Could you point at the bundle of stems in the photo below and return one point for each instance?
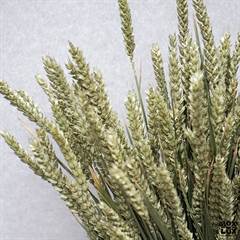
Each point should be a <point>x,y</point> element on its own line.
<point>174,171</point>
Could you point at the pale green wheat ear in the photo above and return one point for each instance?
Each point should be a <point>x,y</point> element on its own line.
<point>127,29</point>
<point>174,174</point>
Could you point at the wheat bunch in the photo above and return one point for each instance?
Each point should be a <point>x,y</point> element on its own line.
<point>175,172</point>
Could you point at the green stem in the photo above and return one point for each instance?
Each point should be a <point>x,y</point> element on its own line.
<point>137,82</point>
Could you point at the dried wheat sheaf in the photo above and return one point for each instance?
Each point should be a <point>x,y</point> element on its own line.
<point>174,171</point>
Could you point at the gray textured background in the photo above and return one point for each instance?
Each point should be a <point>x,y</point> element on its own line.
<point>30,29</point>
